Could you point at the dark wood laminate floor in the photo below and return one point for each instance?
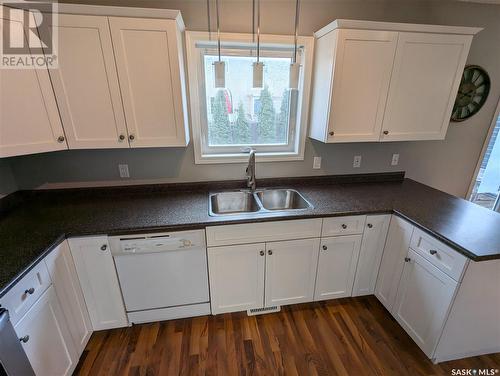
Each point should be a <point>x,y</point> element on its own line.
<point>354,336</point>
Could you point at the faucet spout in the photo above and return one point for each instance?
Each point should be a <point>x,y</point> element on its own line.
<point>250,171</point>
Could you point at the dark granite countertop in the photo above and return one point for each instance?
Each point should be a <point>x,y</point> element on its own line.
<point>42,219</point>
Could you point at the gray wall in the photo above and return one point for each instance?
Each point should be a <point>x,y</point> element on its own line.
<point>447,165</point>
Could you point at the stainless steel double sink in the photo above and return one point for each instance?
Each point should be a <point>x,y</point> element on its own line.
<point>260,201</point>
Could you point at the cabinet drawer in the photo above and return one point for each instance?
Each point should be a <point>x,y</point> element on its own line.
<point>26,292</point>
<point>439,254</point>
<point>350,225</point>
<point>263,232</point>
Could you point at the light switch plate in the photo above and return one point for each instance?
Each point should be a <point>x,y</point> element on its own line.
<point>123,168</point>
<point>357,161</point>
<point>317,163</point>
<point>395,160</point>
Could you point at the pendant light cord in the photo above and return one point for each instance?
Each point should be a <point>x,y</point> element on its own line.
<point>297,7</point>
<point>258,30</point>
<point>208,21</point>
<point>218,26</point>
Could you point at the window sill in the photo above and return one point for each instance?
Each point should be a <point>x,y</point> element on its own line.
<point>243,158</point>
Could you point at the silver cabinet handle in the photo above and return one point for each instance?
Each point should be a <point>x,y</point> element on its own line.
<point>121,137</point>
<point>324,248</point>
<point>24,339</point>
<point>262,253</point>
<point>270,252</point>
<point>104,247</point>
<point>407,259</point>
<point>29,291</point>
<point>60,139</point>
<point>344,226</point>
<point>369,225</point>
<point>131,137</point>
<point>433,252</point>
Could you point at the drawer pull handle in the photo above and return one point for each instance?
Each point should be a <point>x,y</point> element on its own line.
<point>104,247</point>
<point>325,248</point>
<point>407,259</point>
<point>24,339</point>
<point>344,226</point>
<point>29,291</point>
<point>270,252</point>
<point>369,225</point>
<point>262,253</point>
<point>433,252</point>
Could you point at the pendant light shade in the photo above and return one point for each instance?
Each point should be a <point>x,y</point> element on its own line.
<point>219,66</point>
<point>258,67</point>
<point>294,66</point>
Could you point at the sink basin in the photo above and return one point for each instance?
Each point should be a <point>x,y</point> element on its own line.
<point>233,203</point>
<point>282,199</point>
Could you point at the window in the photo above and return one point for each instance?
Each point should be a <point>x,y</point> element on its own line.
<point>485,187</point>
<point>226,122</point>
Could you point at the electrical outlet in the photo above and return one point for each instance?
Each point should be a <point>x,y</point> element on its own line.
<point>317,163</point>
<point>357,161</point>
<point>123,168</point>
<point>395,160</point>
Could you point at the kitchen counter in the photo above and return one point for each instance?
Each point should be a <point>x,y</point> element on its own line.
<point>40,220</point>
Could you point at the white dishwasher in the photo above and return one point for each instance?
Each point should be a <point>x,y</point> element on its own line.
<point>162,276</point>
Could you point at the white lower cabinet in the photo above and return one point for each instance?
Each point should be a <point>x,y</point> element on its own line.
<point>46,339</point>
<point>370,255</point>
<point>67,287</point>
<point>391,266</point>
<point>97,274</point>
<point>236,275</point>
<point>424,297</point>
<point>290,271</point>
<point>337,266</point>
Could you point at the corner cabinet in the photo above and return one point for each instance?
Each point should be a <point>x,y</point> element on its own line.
<point>381,81</point>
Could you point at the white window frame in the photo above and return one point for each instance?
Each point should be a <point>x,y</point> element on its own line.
<point>265,153</point>
<point>483,151</point>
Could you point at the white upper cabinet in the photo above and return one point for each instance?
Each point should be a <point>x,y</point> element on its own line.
<point>424,84</point>
<point>86,84</point>
<point>29,119</point>
<point>149,59</point>
<point>381,81</point>
<point>359,81</point>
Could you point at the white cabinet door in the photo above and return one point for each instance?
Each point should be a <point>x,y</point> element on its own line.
<point>424,297</point>
<point>425,79</point>
<point>291,271</point>
<point>149,61</point>
<point>29,119</point>
<point>370,255</point>
<point>67,286</point>
<point>338,257</point>
<point>391,266</point>
<point>86,84</point>
<point>97,274</point>
<point>363,64</point>
<point>46,339</point>
<point>236,275</point>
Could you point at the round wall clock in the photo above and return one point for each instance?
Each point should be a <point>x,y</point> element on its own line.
<point>472,93</point>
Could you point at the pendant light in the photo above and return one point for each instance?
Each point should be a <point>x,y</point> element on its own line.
<point>258,67</point>
<point>294,66</point>
<point>219,66</point>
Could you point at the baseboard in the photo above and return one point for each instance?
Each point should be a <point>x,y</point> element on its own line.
<point>447,358</point>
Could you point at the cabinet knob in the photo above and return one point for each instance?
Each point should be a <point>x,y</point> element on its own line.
<point>24,339</point>
<point>369,225</point>
<point>331,133</point>
<point>60,139</point>
<point>324,248</point>
<point>121,137</point>
<point>386,132</point>
<point>433,252</point>
<point>104,247</point>
<point>407,259</point>
<point>262,253</point>
<point>344,226</point>
<point>29,291</point>
<point>270,252</point>
<point>131,137</point>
